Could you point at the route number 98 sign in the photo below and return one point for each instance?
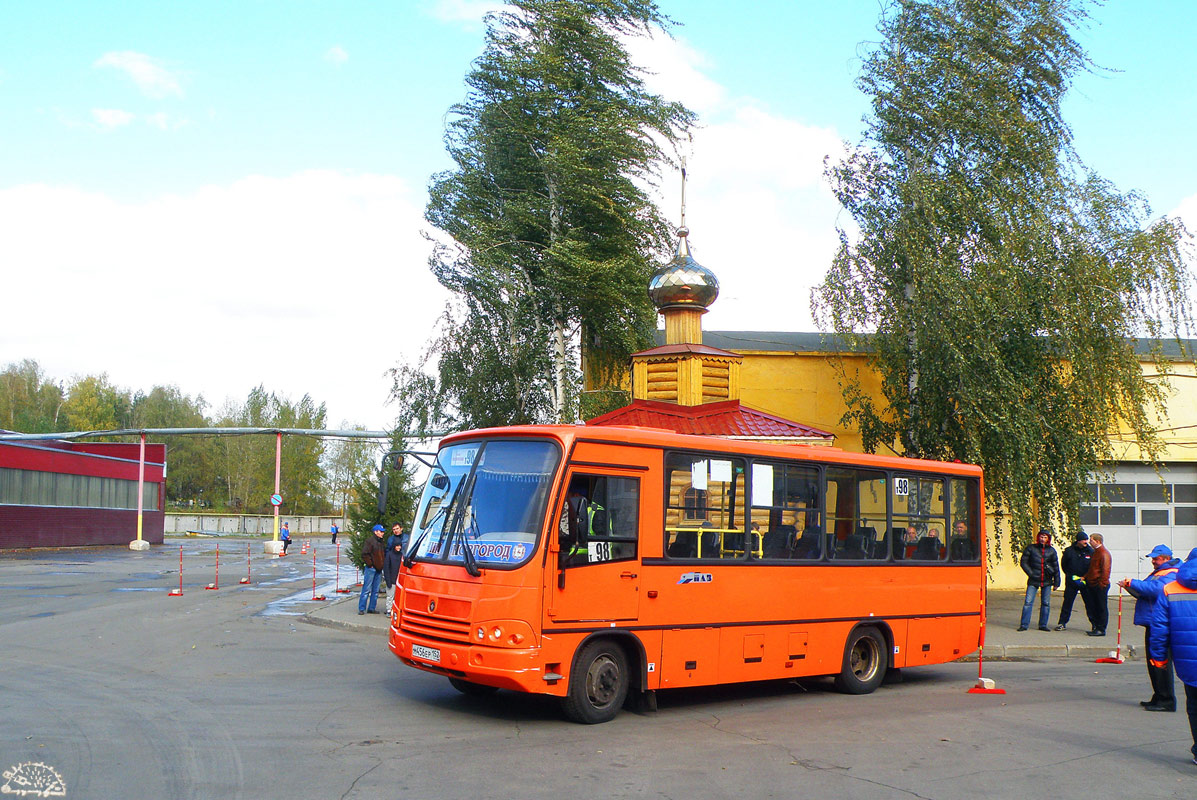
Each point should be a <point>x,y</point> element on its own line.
<point>901,487</point>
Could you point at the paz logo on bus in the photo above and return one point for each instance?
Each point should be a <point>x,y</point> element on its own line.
<point>695,577</point>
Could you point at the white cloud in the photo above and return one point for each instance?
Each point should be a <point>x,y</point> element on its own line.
<point>111,118</point>
<point>336,55</point>
<point>313,283</point>
<point>760,213</point>
<point>165,122</point>
<point>675,72</point>
<point>152,78</point>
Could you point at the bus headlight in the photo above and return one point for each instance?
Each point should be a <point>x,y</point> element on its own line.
<point>504,633</point>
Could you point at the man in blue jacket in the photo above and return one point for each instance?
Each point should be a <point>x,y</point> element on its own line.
<point>1174,626</point>
<point>1146,592</point>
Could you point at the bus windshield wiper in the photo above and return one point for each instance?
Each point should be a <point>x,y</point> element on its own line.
<point>467,555</point>
<point>458,527</point>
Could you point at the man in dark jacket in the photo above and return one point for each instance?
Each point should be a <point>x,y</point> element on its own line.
<point>373,553</point>
<point>1174,629</point>
<point>1074,563</point>
<point>1042,566</point>
<point>396,544</point>
<point>1146,592</point>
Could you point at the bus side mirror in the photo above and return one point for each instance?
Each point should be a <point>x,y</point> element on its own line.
<point>384,481</point>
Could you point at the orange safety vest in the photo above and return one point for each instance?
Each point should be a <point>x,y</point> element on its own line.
<point>1176,587</point>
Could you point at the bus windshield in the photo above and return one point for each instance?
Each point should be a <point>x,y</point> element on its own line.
<point>489,495</point>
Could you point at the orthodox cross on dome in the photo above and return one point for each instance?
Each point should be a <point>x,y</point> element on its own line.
<point>683,289</point>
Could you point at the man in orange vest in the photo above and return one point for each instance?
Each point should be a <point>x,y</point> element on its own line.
<point>1174,630</point>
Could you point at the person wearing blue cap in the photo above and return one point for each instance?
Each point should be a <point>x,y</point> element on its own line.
<point>373,553</point>
<point>1146,592</point>
<point>1174,633</point>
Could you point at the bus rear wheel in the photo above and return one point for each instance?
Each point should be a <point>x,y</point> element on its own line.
<point>864,662</point>
<point>598,683</point>
<point>472,689</point>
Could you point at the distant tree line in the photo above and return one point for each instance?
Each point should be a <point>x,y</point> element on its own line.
<point>227,473</point>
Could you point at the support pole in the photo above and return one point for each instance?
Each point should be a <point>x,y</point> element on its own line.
<point>1115,656</point>
<point>339,590</point>
<point>216,585</point>
<point>140,543</point>
<point>246,578</point>
<point>984,685</point>
<point>314,595</point>
<point>179,592</point>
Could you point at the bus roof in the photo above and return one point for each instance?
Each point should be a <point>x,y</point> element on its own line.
<point>665,439</point>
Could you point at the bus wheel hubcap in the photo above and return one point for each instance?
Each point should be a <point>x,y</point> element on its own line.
<point>864,659</point>
<point>602,680</point>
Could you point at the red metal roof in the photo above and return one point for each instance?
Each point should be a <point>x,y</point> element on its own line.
<point>728,418</point>
<point>695,349</point>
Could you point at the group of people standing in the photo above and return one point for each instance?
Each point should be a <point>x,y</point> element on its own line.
<point>380,562</point>
<point>1084,570</point>
<point>1165,606</point>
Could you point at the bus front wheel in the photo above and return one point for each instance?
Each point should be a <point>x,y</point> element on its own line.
<point>598,683</point>
<point>864,662</point>
<point>472,689</point>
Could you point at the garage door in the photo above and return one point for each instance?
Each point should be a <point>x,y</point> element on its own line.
<point>1134,509</point>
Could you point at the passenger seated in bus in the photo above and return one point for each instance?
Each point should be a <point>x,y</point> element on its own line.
<point>961,547</point>
<point>905,541</point>
<point>929,547</point>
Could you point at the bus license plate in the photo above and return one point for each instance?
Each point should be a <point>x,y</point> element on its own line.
<point>426,653</point>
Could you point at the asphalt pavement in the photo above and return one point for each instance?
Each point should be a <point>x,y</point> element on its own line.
<point>117,689</point>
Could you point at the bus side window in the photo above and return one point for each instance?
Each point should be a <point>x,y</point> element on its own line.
<point>964,543</point>
<point>599,520</point>
<point>706,509</point>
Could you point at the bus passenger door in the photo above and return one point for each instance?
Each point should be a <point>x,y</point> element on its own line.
<point>596,574</point>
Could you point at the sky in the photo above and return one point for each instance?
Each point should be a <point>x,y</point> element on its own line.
<point>219,195</point>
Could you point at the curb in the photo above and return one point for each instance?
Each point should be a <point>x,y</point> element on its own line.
<point>1023,651</point>
<point>327,617</point>
<point>336,623</point>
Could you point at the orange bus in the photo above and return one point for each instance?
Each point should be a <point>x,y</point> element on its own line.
<point>599,564</point>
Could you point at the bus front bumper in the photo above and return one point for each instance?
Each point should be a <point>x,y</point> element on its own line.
<point>519,669</point>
